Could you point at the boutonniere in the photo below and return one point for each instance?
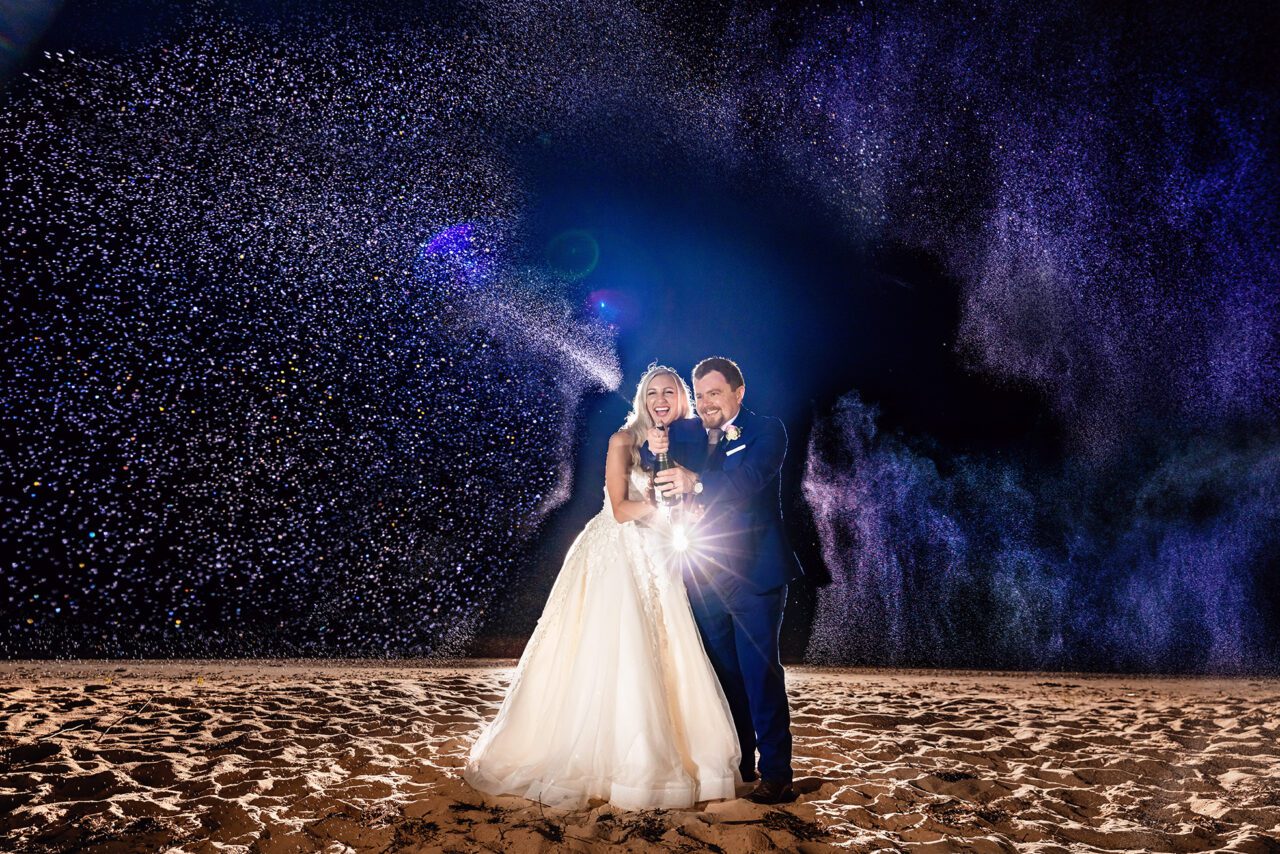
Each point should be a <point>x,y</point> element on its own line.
<point>733,432</point>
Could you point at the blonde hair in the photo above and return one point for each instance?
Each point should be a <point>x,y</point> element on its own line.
<point>638,421</point>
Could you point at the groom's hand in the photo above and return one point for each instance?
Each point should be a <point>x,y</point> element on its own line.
<point>657,441</point>
<point>676,480</point>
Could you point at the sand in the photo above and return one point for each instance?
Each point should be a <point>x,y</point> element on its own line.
<point>292,756</point>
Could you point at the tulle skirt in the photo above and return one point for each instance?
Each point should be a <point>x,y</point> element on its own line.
<point>614,697</point>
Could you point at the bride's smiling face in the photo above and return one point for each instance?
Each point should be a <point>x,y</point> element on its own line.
<point>662,399</point>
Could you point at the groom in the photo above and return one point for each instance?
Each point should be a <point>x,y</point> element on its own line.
<point>738,568</point>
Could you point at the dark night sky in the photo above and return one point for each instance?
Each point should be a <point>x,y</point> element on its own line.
<point>1008,275</point>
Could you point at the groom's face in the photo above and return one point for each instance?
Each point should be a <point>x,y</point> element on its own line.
<point>716,401</point>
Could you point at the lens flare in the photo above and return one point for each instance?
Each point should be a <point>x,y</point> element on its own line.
<point>574,253</point>
<point>680,538</point>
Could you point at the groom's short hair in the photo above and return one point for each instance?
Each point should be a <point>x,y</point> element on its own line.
<point>728,367</point>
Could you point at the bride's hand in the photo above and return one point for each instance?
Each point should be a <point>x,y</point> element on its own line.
<point>657,441</point>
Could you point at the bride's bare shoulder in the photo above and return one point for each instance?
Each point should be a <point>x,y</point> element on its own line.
<point>621,440</point>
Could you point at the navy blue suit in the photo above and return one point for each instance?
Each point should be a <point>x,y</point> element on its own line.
<point>737,571</point>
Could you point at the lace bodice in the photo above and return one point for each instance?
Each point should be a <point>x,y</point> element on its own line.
<point>637,486</point>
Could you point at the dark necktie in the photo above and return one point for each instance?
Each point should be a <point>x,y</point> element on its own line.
<point>713,436</point>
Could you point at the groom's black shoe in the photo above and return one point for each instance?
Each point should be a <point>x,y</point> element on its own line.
<point>772,792</point>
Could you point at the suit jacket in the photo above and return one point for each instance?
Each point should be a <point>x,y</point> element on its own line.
<point>740,545</point>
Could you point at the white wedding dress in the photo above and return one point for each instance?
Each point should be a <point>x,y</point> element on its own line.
<point>614,697</point>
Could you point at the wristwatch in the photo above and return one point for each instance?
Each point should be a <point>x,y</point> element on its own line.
<point>697,486</point>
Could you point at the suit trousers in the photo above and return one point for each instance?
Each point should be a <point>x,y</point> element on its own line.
<point>741,634</point>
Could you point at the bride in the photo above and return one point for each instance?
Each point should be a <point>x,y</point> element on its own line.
<point>614,697</point>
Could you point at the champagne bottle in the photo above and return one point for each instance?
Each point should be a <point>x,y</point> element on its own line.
<point>664,462</point>
<point>671,508</point>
